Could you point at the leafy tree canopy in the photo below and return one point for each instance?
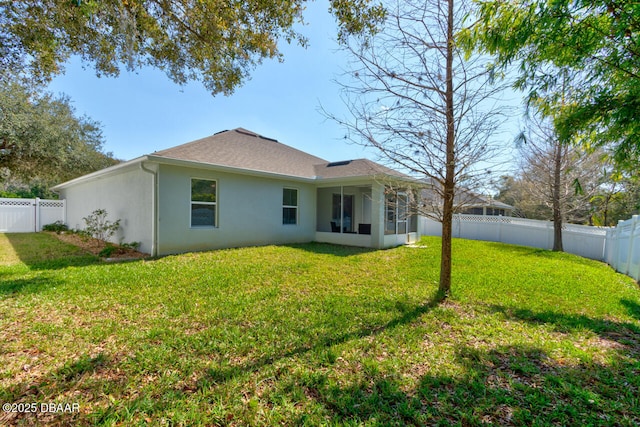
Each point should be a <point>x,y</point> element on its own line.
<point>597,41</point>
<point>42,141</point>
<point>217,42</point>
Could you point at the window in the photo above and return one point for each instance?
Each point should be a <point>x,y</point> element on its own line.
<point>203,203</point>
<point>473,211</point>
<point>289,206</point>
<point>495,212</point>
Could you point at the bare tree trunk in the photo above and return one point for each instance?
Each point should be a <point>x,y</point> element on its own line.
<point>557,212</point>
<point>444,288</point>
<point>416,98</point>
<point>606,212</point>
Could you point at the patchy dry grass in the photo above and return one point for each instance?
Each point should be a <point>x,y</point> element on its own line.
<point>318,335</point>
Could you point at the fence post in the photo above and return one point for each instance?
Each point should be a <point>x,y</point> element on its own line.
<point>634,222</point>
<point>616,246</point>
<point>36,205</point>
<point>607,245</point>
<point>455,220</point>
<point>636,241</point>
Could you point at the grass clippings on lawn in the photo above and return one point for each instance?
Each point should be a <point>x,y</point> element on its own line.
<point>317,334</point>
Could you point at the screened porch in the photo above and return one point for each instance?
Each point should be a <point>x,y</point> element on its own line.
<point>362,215</point>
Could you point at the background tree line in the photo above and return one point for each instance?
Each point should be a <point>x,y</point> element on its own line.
<point>591,190</point>
<point>44,142</point>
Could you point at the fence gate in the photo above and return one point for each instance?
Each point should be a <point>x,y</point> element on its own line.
<point>29,215</point>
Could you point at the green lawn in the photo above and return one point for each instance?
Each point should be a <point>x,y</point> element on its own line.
<point>318,335</point>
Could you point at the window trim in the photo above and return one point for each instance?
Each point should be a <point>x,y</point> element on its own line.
<point>192,202</point>
<point>296,207</point>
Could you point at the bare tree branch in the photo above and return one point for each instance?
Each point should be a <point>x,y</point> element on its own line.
<point>425,108</point>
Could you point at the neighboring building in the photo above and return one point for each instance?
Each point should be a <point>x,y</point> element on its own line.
<point>475,204</point>
<point>465,202</point>
<point>237,188</point>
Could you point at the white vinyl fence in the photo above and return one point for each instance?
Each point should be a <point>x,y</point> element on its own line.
<point>623,247</point>
<point>582,240</point>
<point>617,246</point>
<point>29,215</point>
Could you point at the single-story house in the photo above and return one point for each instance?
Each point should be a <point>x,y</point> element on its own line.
<point>237,188</point>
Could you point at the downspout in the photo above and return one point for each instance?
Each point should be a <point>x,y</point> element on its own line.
<point>154,203</point>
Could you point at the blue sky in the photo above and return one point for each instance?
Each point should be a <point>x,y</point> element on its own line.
<point>143,112</point>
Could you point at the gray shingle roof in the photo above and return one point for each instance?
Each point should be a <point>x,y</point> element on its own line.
<point>243,149</point>
<point>240,148</point>
<point>353,168</point>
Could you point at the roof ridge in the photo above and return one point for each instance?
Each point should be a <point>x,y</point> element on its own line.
<point>247,132</point>
<point>246,149</point>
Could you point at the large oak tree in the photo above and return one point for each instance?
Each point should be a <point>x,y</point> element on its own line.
<point>217,42</point>
<point>43,141</point>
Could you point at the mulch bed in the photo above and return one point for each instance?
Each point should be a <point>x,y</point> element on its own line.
<point>95,246</point>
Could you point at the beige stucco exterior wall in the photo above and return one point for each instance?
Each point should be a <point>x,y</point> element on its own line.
<point>126,195</point>
<point>249,211</point>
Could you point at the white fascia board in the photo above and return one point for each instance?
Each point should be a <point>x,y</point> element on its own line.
<point>101,173</point>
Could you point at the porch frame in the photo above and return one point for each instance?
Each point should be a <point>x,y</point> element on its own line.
<point>377,239</point>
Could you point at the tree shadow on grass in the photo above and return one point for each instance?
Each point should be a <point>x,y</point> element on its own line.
<point>93,377</point>
<point>226,373</point>
<point>624,333</point>
<point>542,253</point>
<point>632,307</point>
<point>83,378</point>
<point>508,385</point>
<point>511,385</point>
<point>505,385</point>
<point>26,286</point>
<point>331,249</point>
<point>61,263</point>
